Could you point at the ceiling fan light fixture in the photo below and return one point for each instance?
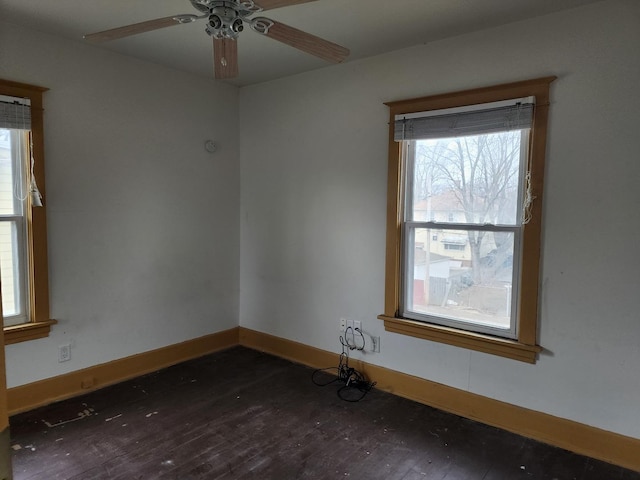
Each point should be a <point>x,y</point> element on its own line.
<point>215,22</point>
<point>237,26</point>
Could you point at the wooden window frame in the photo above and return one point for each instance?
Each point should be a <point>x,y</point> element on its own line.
<point>39,324</point>
<point>525,347</point>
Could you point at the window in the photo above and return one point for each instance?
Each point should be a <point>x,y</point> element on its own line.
<point>478,155</point>
<point>23,242</point>
<point>13,224</point>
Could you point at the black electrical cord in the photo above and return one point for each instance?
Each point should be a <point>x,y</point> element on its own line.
<point>350,393</point>
<point>322,370</point>
<point>352,343</point>
<point>355,385</point>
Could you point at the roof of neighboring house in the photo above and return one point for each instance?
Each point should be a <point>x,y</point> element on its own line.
<point>420,257</point>
<point>446,201</point>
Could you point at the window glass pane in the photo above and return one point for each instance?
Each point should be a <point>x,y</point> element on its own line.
<point>471,179</point>
<point>460,276</point>
<point>7,203</point>
<point>10,270</point>
<point>13,193</point>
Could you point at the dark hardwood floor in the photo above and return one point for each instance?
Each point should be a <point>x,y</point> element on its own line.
<point>241,414</point>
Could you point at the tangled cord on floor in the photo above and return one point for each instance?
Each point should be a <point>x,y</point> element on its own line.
<point>355,384</point>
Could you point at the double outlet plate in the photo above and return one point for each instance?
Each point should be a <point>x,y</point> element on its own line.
<point>64,353</point>
<point>372,343</point>
<point>344,324</point>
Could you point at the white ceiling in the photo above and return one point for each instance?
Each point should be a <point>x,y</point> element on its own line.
<point>366,27</point>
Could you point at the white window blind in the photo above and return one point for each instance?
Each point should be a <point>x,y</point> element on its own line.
<point>488,118</point>
<point>15,113</point>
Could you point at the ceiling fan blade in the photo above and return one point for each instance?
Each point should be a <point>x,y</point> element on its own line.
<point>225,58</point>
<point>271,4</point>
<point>304,41</point>
<point>136,28</point>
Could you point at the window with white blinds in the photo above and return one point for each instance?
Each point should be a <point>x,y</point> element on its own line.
<point>15,126</point>
<point>23,220</point>
<point>464,216</point>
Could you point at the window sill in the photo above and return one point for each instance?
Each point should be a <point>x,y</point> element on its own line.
<point>27,331</point>
<point>473,341</point>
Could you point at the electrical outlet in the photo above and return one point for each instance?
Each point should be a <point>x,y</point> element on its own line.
<point>64,353</point>
<point>343,324</point>
<point>357,325</point>
<point>350,324</point>
<point>375,344</point>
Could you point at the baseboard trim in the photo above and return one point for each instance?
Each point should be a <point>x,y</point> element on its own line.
<point>5,455</point>
<point>43,392</point>
<point>570,435</point>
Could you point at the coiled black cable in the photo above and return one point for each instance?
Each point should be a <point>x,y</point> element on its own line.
<point>355,385</point>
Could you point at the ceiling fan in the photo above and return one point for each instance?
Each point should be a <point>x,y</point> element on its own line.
<point>225,20</point>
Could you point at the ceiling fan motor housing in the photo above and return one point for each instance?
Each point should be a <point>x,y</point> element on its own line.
<point>224,22</point>
<point>226,18</point>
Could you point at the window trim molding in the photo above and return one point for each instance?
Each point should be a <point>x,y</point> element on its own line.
<point>39,325</point>
<point>27,331</point>
<point>525,347</point>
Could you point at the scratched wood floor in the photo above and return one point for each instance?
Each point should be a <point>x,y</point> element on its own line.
<point>241,414</point>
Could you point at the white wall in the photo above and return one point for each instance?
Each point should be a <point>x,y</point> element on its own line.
<point>143,223</point>
<point>313,174</point>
